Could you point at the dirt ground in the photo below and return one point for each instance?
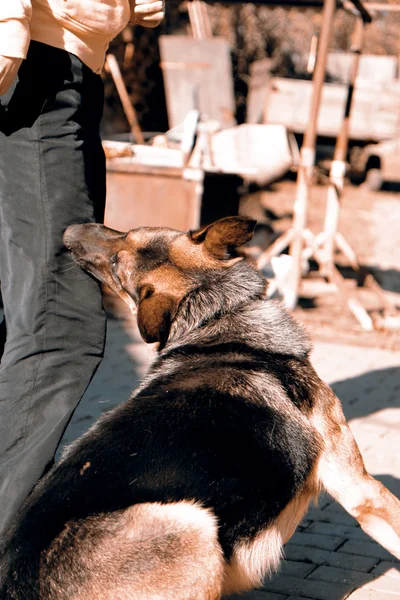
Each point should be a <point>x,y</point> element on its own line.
<point>370,222</point>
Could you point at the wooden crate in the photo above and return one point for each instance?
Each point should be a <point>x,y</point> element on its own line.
<point>145,196</point>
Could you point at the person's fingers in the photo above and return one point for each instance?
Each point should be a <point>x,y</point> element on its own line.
<point>149,21</point>
<point>153,22</point>
<point>148,13</point>
<point>147,2</point>
<point>149,8</point>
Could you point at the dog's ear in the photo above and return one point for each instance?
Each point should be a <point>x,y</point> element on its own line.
<point>155,314</point>
<point>223,237</point>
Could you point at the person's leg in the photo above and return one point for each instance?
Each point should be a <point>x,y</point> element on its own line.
<point>52,174</point>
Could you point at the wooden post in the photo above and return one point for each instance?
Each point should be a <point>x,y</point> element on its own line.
<point>338,167</point>
<point>336,183</point>
<point>199,20</point>
<point>307,156</point>
<point>130,113</point>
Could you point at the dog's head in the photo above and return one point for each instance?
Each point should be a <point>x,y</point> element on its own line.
<point>153,269</point>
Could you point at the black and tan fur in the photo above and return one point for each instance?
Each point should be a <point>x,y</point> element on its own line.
<point>189,490</point>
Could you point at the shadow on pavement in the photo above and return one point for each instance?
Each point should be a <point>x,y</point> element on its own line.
<point>392,484</point>
<point>370,392</point>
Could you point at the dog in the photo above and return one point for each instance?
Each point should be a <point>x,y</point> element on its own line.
<point>190,489</point>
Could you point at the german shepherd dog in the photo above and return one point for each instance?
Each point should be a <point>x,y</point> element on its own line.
<point>189,490</point>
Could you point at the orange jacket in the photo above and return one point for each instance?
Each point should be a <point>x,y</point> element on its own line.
<point>82,27</point>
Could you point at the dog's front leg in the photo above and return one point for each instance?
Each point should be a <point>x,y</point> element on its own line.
<point>343,475</point>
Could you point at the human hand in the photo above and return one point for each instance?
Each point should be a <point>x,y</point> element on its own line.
<point>148,13</point>
<point>8,71</point>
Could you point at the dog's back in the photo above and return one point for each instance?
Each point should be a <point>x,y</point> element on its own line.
<point>214,424</point>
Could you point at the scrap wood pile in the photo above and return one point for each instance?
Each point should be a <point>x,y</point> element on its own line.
<point>254,32</point>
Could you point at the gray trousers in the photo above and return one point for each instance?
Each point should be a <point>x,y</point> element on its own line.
<point>52,174</point>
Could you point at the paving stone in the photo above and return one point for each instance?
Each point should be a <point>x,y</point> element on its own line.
<point>298,598</point>
<point>303,525</point>
<point>389,585</point>
<point>388,569</point>
<point>330,516</point>
<point>333,559</point>
<point>366,549</point>
<point>364,594</point>
<point>345,531</point>
<point>324,501</point>
<point>325,542</point>
<point>257,595</point>
<point>318,590</point>
<point>334,507</point>
<point>387,418</point>
<point>334,575</point>
<point>296,568</point>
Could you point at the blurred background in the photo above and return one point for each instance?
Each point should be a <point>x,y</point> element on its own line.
<point>215,113</point>
<point>281,34</point>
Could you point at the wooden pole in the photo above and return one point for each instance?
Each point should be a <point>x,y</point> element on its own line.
<point>335,189</point>
<point>130,113</point>
<point>338,167</point>
<point>307,156</point>
<point>199,20</point>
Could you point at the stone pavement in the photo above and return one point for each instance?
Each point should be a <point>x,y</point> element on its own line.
<point>329,557</point>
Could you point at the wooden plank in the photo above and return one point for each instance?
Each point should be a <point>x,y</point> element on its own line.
<point>372,67</point>
<point>199,19</point>
<point>152,156</point>
<point>259,86</point>
<point>147,199</point>
<point>203,80</point>
<point>375,116</point>
<point>259,153</point>
<point>275,248</point>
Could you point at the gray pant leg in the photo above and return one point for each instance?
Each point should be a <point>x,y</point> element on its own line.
<point>52,174</point>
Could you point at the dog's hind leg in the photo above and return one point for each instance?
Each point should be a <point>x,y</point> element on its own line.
<point>147,552</point>
<point>343,475</point>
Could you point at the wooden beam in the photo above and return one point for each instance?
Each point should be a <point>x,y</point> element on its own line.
<point>130,113</point>
<point>378,6</point>
<point>338,167</point>
<point>199,19</point>
<point>307,156</point>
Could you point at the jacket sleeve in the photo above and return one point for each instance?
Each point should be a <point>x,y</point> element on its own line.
<point>14,27</point>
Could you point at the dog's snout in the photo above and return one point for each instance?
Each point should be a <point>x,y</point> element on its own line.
<point>73,235</point>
